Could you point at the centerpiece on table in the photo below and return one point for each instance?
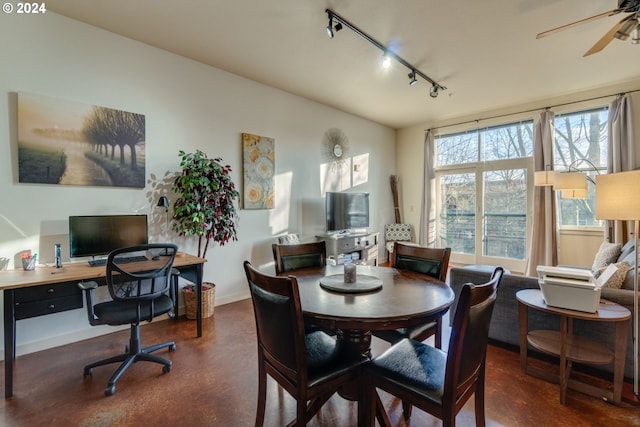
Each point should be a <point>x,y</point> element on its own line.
<point>205,208</point>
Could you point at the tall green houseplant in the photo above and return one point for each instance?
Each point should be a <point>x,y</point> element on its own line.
<point>205,205</point>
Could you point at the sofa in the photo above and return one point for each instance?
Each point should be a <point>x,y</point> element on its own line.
<point>504,323</point>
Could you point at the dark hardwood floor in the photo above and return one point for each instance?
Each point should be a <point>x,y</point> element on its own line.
<point>213,383</point>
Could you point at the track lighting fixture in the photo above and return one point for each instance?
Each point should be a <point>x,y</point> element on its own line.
<point>435,89</point>
<point>388,54</point>
<point>412,78</point>
<point>331,28</point>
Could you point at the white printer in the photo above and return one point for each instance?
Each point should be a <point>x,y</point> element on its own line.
<point>572,288</point>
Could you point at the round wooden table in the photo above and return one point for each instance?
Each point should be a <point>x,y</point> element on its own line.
<point>405,299</point>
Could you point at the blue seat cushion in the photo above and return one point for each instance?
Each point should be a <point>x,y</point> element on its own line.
<point>325,360</point>
<point>415,366</point>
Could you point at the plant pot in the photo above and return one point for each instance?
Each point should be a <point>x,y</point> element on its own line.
<point>208,300</point>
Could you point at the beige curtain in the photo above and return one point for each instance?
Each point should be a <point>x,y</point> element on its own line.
<point>427,235</point>
<point>621,155</point>
<point>543,248</point>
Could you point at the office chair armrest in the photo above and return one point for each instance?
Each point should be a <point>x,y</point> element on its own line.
<point>88,287</point>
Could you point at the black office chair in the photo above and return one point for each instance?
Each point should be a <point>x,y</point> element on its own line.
<point>432,262</point>
<point>437,382</point>
<point>138,278</point>
<point>310,367</point>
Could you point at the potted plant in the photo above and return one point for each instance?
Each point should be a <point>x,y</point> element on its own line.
<point>204,208</point>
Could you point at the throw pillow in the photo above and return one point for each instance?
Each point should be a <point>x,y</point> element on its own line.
<point>617,280</point>
<point>607,254</point>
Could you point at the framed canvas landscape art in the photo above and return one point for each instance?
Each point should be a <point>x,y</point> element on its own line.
<point>258,154</point>
<point>69,143</point>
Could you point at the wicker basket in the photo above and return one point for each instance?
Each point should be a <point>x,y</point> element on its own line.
<point>208,301</point>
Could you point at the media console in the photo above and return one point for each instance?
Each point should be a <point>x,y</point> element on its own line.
<point>355,247</point>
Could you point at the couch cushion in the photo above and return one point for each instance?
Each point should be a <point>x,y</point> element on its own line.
<point>626,250</point>
<point>628,283</point>
<point>617,280</point>
<point>607,254</point>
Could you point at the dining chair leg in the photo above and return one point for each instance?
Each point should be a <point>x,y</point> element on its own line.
<point>262,396</point>
<point>438,337</point>
<point>380,413</point>
<point>479,398</point>
<point>406,409</point>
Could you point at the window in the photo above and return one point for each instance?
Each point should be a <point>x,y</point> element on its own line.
<point>580,146</point>
<point>482,183</point>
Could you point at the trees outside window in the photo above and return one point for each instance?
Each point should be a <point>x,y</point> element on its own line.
<point>482,200</point>
<point>484,180</point>
<point>580,145</point>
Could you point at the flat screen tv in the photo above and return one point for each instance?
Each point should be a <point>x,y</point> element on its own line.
<point>100,234</point>
<point>346,211</point>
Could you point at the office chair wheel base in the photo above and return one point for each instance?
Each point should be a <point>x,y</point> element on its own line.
<point>166,369</point>
<point>87,373</point>
<point>110,390</point>
<point>172,347</point>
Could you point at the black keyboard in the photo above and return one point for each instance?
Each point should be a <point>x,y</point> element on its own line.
<point>122,260</point>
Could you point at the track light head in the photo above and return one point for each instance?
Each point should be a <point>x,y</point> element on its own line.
<point>434,91</point>
<point>412,77</point>
<point>330,27</point>
<point>338,27</point>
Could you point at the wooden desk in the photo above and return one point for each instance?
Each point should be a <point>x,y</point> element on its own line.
<point>573,348</point>
<point>52,290</point>
<point>406,299</point>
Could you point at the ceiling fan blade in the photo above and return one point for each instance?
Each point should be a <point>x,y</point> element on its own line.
<point>606,39</point>
<point>580,22</point>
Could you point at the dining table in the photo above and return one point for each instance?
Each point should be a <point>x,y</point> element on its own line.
<point>398,299</point>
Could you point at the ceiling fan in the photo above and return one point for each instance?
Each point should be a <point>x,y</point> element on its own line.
<point>625,27</point>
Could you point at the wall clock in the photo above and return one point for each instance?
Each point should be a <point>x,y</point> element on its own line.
<point>335,147</point>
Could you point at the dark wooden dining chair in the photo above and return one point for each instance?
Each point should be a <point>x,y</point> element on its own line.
<point>426,377</point>
<point>433,262</point>
<point>310,367</point>
<point>289,257</point>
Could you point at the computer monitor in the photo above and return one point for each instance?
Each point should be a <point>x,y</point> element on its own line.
<point>93,235</point>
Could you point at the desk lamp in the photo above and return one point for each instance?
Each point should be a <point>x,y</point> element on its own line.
<point>163,202</point>
<point>618,198</point>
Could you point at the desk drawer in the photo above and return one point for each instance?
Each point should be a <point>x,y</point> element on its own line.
<point>26,310</point>
<point>36,293</point>
<point>46,299</point>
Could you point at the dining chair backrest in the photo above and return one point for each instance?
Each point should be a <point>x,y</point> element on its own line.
<point>469,336</point>
<point>302,255</point>
<point>433,262</point>
<point>279,322</point>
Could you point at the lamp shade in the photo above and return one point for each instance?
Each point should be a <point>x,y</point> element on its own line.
<point>570,181</point>
<point>543,178</point>
<point>163,202</point>
<point>618,196</point>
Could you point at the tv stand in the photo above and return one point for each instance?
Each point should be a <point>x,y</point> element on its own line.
<point>360,247</point>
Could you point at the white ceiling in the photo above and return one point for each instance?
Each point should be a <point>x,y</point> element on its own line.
<point>484,52</point>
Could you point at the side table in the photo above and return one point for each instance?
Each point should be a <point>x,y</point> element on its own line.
<point>573,348</point>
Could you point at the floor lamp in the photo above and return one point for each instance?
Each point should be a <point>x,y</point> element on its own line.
<point>618,198</point>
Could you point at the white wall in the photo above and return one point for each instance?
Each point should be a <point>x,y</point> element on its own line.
<point>187,106</point>
<point>410,149</point>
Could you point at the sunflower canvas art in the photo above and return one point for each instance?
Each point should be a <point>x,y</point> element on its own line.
<point>258,171</point>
